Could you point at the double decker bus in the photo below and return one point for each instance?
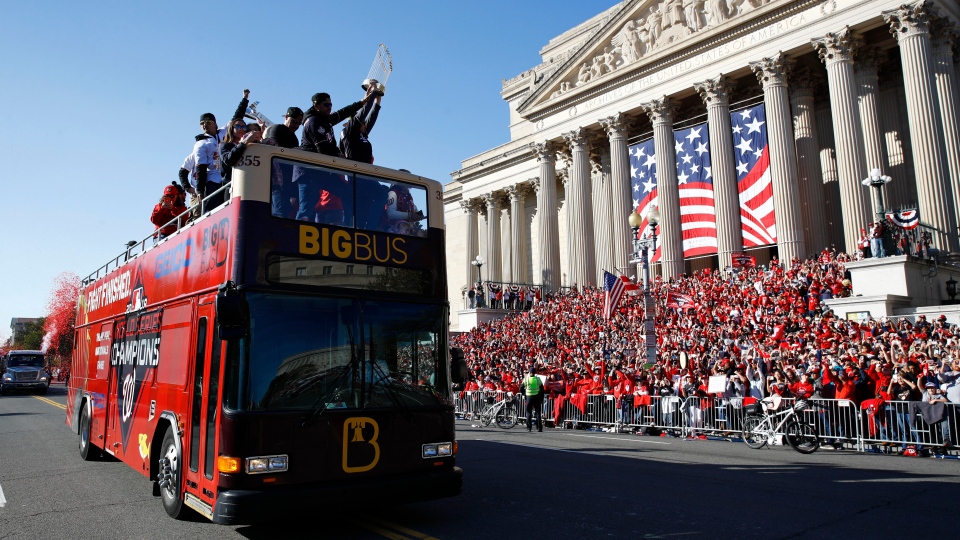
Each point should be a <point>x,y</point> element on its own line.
<point>251,364</point>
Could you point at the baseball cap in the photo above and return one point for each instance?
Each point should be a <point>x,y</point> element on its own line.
<point>930,385</point>
<point>207,116</point>
<point>294,112</point>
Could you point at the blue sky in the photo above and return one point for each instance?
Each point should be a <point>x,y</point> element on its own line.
<point>100,101</point>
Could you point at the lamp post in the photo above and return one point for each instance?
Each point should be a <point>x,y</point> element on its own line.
<point>641,255</point>
<point>478,262</point>
<point>877,181</point>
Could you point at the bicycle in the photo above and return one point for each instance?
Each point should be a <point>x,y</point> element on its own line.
<point>504,413</point>
<point>760,425</point>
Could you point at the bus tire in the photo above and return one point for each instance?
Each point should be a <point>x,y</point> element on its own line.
<point>88,452</point>
<point>169,476</point>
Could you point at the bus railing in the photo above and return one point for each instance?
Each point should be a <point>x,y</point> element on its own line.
<point>872,426</point>
<point>136,248</point>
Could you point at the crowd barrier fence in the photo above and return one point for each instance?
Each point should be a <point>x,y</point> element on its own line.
<point>883,426</point>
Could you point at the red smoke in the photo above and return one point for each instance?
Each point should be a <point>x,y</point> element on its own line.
<point>61,315</point>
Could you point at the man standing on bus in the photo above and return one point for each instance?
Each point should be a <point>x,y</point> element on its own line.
<point>206,152</point>
<point>533,389</point>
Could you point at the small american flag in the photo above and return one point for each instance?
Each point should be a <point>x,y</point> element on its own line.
<point>613,288</point>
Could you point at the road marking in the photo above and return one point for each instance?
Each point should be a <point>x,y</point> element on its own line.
<point>3,501</point>
<point>51,402</point>
<point>384,531</point>
<point>622,439</point>
<point>402,529</point>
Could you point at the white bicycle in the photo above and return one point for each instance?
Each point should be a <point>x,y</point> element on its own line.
<point>761,425</point>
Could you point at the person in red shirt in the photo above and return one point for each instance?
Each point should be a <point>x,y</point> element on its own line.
<point>170,206</point>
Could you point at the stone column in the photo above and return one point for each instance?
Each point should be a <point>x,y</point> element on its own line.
<point>473,234</point>
<point>546,186</point>
<point>518,244</point>
<point>621,198</point>
<point>494,248</point>
<point>868,91</point>
<point>803,85</point>
<point>602,200</point>
<point>772,73</point>
<point>831,182</point>
<point>944,37</point>
<point>582,263</point>
<point>836,51</point>
<point>726,195</point>
<point>661,113</point>
<point>903,190</point>
<point>910,25</point>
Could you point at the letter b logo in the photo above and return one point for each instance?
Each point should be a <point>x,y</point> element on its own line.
<point>360,449</point>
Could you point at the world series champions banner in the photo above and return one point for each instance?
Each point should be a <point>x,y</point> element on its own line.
<point>134,354</point>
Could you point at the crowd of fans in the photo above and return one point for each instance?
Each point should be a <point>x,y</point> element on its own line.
<point>767,330</point>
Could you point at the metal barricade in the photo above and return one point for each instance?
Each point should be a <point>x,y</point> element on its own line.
<point>838,421</point>
<point>902,424</point>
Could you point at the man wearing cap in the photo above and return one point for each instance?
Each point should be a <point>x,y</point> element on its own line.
<point>285,134</point>
<point>533,388</point>
<point>206,153</point>
<point>933,395</point>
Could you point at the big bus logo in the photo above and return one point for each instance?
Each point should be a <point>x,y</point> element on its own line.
<point>360,449</point>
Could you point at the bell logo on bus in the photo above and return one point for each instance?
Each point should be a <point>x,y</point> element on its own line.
<point>361,452</point>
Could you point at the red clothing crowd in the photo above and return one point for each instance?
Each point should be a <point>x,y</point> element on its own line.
<point>767,329</point>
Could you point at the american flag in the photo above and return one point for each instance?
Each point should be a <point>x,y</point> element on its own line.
<point>643,180</point>
<point>753,177</point>
<point>697,216</point>
<point>613,288</point>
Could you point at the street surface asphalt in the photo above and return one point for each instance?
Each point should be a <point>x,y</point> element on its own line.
<point>553,485</point>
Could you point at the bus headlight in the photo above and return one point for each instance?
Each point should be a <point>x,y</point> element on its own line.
<point>435,450</point>
<point>267,464</point>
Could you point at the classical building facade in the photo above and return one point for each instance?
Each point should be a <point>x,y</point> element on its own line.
<point>774,112</point>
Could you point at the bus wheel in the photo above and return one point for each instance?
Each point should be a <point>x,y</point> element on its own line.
<point>168,478</point>
<point>88,451</point>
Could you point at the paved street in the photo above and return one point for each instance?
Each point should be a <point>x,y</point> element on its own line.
<point>558,484</point>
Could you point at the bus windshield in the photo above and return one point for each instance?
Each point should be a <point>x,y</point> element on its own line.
<point>315,353</point>
<point>24,360</point>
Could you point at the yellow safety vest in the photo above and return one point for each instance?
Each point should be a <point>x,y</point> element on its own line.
<point>533,385</point>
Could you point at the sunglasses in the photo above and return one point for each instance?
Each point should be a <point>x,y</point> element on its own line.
<point>239,126</point>
<point>327,104</point>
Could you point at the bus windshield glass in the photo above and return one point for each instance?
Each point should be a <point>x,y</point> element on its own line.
<point>315,353</point>
<point>24,360</point>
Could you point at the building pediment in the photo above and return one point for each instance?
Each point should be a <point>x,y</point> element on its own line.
<point>643,30</point>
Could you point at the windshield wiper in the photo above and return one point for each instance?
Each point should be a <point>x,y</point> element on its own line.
<point>320,405</point>
<point>392,392</point>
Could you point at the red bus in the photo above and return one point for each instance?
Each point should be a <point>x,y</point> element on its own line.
<point>251,364</point>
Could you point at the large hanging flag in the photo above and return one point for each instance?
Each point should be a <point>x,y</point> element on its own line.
<point>643,180</point>
<point>613,288</point>
<point>698,219</point>
<point>757,219</point>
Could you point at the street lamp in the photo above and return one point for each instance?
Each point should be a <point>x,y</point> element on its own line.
<point>877,181</point>
<point>478,262</point>
<point>641,255</point>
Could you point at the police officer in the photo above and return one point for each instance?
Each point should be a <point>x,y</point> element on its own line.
<point>533,389</point>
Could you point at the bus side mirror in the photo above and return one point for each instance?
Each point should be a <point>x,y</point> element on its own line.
<point>232,312</point>
<point>458,367</point>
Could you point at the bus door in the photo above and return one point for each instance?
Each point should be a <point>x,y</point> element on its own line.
<point>200,447</point>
